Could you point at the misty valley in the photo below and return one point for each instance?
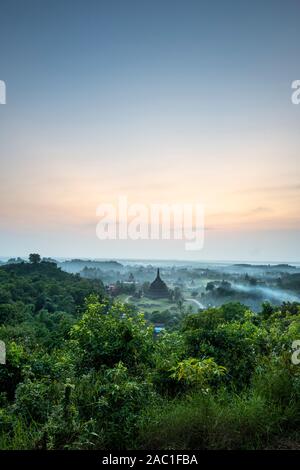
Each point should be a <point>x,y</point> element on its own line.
<point>192,286</point>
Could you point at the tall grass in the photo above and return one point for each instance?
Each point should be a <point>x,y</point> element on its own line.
<point>215,422</point>
<point>21,437</point>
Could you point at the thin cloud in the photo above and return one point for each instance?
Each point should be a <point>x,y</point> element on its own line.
<point>269,189</point>
<point>249,213</point>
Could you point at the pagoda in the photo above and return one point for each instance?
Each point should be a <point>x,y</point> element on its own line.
<point>158,288</point>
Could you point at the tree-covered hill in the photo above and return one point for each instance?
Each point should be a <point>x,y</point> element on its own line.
<point>43,286</point>
<point>39,301</point>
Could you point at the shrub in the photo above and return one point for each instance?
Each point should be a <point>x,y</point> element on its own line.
<point>108,334</point>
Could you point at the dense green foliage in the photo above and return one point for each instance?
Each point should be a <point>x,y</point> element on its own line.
<point>39,302</point>
<point>85,372</point>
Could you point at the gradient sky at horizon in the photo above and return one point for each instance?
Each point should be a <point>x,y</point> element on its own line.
<point>164,101</point>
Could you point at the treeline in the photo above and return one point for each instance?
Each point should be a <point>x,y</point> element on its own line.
<point>223,379</point>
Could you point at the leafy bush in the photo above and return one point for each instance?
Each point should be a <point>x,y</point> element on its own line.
<point>110,333</point>
<point>199,373</point>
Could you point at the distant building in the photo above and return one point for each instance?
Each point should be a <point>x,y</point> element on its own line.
<point>158,328</point>
<point>158,288</point>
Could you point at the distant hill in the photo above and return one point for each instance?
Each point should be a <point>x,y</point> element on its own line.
<point>265,266</point>
<point>77,265</point>
<point>43,286</point>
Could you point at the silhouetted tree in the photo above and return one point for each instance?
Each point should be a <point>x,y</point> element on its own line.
<point>34,258</point>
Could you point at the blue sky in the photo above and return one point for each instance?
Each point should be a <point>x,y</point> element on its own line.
<point>161,100</point>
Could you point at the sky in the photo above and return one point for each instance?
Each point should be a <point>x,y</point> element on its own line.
<point>162,101</point>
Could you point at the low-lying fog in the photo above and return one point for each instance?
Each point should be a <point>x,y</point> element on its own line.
<point>210,284</point>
